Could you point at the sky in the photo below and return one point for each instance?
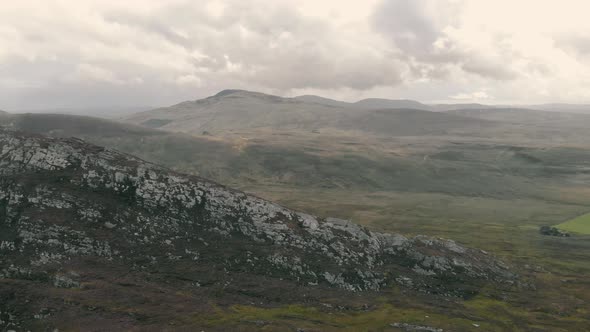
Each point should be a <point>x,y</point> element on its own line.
<point>103,53</point>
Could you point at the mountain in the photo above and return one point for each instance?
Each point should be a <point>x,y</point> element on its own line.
<point>75,216</point>
<point>244,110</point>
<point>237,109</point>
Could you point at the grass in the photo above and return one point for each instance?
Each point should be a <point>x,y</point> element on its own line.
<point>379,319</point>
<point>579,225</point>
<point>508,228</point>
<point>484,312</point>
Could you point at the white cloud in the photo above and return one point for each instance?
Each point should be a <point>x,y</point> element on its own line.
<point>471,96</point>
<point>188,80</point>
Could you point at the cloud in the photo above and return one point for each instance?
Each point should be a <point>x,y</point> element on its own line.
<point>91,73</point>
<point>149,51</point>
<point>268,45</point>
<point>188,80</point>
<point>579,44</point>
<point>431,32</point>
<point>477,95</point>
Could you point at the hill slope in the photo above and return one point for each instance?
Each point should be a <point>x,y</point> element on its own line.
<point>527,116</point>
<point>72,125</point>
<point>70,211</point>
<point>412,122</point>
<point>333,160</point>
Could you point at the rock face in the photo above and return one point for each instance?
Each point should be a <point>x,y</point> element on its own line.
<point>63,199</point>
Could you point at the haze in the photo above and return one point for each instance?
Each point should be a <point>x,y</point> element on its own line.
<point>66,54</point>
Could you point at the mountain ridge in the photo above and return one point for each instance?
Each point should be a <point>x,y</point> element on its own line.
<point>240,109</point>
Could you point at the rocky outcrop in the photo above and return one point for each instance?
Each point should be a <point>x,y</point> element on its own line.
<point>61,199</point>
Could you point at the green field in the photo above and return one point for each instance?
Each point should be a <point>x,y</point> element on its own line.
<point>580,225</point>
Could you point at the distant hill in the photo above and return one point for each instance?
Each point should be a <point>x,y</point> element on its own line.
<point>451,107</point>
<point>318,160</point>
<point>99,112</point>
<point>238,110</point>
<point>561,107</point>
<point>65,125</point>
<point>527,116</point>
<point>369,103</point>
<point>199,155</point>
<point>411,122</point>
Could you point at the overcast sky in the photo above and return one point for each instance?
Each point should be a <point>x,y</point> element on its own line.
<point>86,53</point>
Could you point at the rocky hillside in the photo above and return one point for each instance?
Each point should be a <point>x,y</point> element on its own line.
<point>63,201</point>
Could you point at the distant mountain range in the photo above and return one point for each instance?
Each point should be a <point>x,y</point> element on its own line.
<point>238,109</point>
<point>382,103</point>
<point>560,107</point>
<point>364,104</point>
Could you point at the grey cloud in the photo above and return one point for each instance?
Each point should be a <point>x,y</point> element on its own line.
<point>416,26</point>
<point>407,25</point>
<point>107,53</point>
<point>488,68</point>
<point>579,44</point>
<point>255,44</point>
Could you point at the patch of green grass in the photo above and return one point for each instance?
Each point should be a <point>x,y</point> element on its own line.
<point>580,225</point>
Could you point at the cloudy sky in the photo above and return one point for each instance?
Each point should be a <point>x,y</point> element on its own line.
<point>87,53</point>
